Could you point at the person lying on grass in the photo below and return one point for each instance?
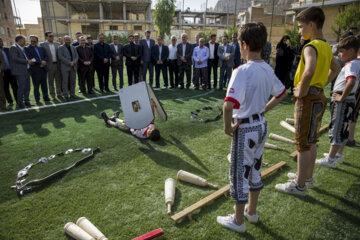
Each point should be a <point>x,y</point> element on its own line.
<point>149,132</point>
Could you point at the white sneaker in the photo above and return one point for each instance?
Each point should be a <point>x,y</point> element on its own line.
<point>291,187</point>
<point>325,162</point>
<point>251,218</point>
<point>308,182</point>
<point>229,222</point>
<point>338,159</point>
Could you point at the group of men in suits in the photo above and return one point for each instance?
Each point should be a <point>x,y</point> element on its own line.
<point>54,65</point>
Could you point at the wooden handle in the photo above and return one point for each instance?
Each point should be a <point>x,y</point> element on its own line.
<point>169,208</point>
<point>212,186</point>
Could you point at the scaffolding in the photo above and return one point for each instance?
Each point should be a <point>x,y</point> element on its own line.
<point>66,17</point>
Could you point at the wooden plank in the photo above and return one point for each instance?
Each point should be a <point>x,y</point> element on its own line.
<point>223,191</point>
<point>322,129</point>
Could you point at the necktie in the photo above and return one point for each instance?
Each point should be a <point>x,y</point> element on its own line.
<point>37,51</point>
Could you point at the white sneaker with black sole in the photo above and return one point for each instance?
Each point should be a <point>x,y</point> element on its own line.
<point>291,187</point>
<point>308,182</point>
<point>229,222</point>
<point>337,159</point>
<point>325,162</point>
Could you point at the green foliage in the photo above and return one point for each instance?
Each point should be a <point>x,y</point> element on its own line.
<point>230,31</point>
<point>206,35</point>
<point>163,16</point>
<point>122,38</point>
<point>294,35</point>
<point>346,19</point>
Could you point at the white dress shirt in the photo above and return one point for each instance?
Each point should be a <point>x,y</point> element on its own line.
<point>116,48</point>
<point>172,52</point>
<point>183,49</point>
<point>212,50</point>
<point>53,52</point>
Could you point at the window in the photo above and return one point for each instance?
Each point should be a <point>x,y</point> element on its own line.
<point>8,30</point>
<point>5,16</point>
<point>137,28</point>
<point>0,15</point>
<point>113,27</point>
<point>2,31</point>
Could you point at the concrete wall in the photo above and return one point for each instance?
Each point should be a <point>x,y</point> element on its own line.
<point>7,24</point>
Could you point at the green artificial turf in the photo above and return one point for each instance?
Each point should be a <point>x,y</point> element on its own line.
<point>121,190</point>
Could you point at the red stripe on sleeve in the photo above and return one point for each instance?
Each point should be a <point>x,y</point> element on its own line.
<point>350,77</point>
<point>233,100</point>
<point>282,93</point>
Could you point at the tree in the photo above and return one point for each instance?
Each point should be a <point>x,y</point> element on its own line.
<point>205,35</point>
<point>230,31</point>
<point>294,35</point>
<point>163,16</point>
<point>346,19</point>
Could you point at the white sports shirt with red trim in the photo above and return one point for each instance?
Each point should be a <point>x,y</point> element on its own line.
<point>250,88</point>
<point>141,133</point>
<point>350,70</point>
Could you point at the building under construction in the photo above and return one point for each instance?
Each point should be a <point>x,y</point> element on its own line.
<point>66,17</point>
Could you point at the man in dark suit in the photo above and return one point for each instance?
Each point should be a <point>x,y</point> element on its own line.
<point>235,44</point>
<point>20,67</point>
<point>2,92</point>
<point>77,41</point>
<point>213,60</point>
<point>184,55</point>
<point>9,79</point>
<point>102,53</point>
<point>53,65</point>
<point>146,61</point>
<point>137,42</point>
<point>117,64</point>
<point>159,54</point>
<point>90,43</point>
<point>85,66</point>
<point>39,69</point>
<point>132,54</point>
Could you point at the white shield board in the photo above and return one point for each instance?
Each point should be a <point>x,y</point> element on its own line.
<point>137,93</point>
<point>159,110</point>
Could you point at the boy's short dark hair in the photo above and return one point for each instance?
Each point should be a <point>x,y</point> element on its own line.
<point>255,35</point>
<point>154,135</point>
<point>312,14</point>
<point>89,38</point>
<point>348,43</point>
<point>212,35</point>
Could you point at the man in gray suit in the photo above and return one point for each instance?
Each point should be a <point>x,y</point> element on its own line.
<point>20,67</point>
<point>226,55</point>
<point>146,61</point>
<point>53,65</point>
<point>117,63</point>
<point>68,57</point>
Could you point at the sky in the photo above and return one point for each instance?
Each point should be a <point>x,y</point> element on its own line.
<point>29,10</point>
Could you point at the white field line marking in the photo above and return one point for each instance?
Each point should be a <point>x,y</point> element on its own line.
<point>58,105</point>
<point>92,99</point>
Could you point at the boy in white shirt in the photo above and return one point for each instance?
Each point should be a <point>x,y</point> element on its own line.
<point>342,101</point>
<point>244,106</point>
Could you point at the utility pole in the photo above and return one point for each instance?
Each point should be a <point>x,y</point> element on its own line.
<point>272,17</point>
<point>182,27</point>
<point>205,14</point>
<point>235,18</point>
